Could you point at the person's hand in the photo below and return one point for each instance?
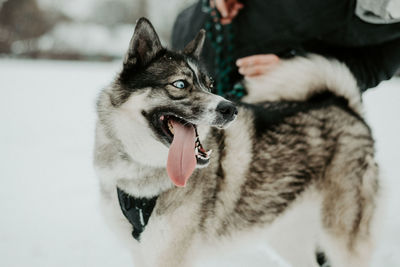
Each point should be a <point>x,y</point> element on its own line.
<point>227,8</point>
<point>257,64</point>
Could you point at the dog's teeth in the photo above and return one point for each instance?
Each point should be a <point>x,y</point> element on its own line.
<point>209,152</point>
<point>170,127</point>
<point>196,151</point>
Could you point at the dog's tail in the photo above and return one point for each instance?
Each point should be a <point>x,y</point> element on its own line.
<point>300,78</point>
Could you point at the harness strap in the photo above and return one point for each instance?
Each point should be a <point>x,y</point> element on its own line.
<point>136,210</point>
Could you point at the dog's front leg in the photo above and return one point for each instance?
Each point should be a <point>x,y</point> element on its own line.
<point>159,251</point>
<point>169,236</point>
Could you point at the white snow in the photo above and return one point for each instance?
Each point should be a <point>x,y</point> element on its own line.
<point>48,190</point>
<point>76,9</point>
<point>87,39</point>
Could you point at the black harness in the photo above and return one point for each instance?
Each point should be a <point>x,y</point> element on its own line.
<point>136,210</point>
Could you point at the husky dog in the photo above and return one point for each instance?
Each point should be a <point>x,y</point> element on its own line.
<point>295,169</point>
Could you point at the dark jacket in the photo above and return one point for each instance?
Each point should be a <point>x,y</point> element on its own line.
<point>328,27</point>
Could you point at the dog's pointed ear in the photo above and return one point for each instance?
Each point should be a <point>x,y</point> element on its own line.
<point>196,45</point>
<point>144,44</point>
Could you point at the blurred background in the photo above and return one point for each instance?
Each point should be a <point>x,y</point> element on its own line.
<point>55,57</point>
<point>79,29</point>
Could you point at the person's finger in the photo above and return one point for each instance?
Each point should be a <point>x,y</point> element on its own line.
<point>233,8</point>
<point>257,59</point>
<point>225,21</point>
<point>255,70</point>
<point>239,5</point>
<point>222,7</point>
<point>227,8</point>
<point>234,13</point>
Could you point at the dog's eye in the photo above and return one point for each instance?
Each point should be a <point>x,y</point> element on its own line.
<point>179,84</point>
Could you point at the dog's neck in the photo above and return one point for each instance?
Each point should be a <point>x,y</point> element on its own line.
<point>144,181</point>
<point>119,169</point>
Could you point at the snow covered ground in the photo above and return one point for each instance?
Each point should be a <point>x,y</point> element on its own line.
<point>48,190</point>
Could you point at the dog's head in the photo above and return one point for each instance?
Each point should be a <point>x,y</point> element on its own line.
<point>159,101</point>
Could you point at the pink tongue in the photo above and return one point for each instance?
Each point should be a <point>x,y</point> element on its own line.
<point>181,158</point>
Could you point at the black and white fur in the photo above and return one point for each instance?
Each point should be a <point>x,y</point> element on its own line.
<point>295,170</point>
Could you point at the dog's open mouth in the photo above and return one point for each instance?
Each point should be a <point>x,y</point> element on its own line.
<point>185,151</point>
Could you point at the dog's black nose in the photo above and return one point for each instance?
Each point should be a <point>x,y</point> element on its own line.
<point>227,109</point>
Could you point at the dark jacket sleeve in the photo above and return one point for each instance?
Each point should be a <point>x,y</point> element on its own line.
<point>369,64</point>
<point>373,64</point>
